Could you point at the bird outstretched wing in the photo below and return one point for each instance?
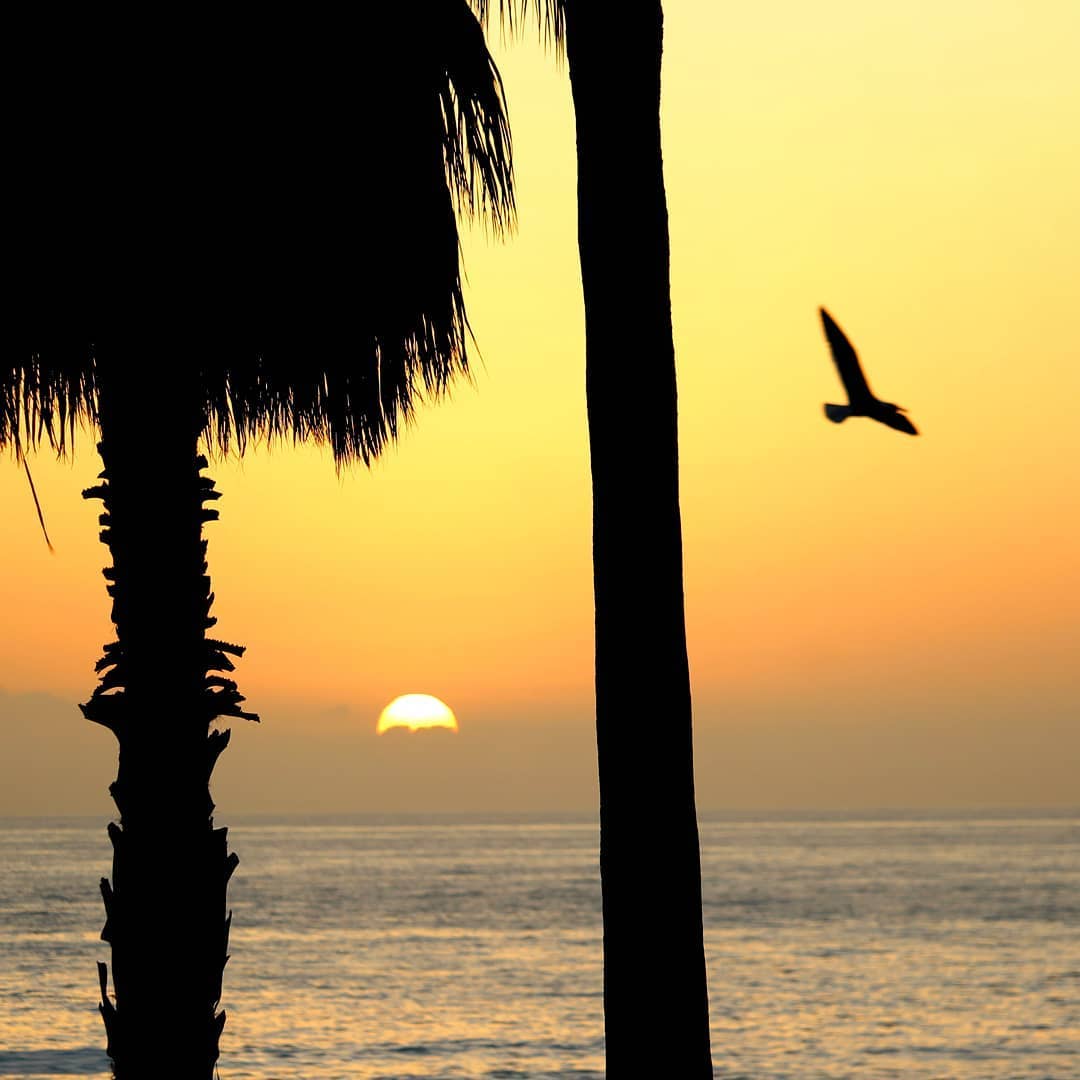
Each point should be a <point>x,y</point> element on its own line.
<point>847,361</point>
<point>899,422</point>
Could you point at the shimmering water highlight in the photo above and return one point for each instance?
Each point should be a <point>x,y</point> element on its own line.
<point>910,947</point>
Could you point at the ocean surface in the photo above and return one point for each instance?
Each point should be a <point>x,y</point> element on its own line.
<point>907,946</point>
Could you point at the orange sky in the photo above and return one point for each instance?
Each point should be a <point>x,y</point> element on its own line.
<point>872,619</point>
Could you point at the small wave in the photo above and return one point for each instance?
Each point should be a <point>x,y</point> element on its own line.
<point>83,1061</point>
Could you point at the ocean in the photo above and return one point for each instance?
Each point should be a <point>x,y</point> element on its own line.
<point>914,946</point>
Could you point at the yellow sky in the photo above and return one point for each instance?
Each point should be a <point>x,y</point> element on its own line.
<point>872,619</point>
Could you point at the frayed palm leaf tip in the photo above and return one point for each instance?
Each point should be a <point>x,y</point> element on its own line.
<point>550,16</point>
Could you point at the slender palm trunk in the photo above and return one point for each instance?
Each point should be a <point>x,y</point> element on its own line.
<point>655,994</point>
<point>165,906</point>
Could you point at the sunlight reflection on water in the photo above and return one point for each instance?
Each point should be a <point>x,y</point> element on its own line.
<point>915,949</point>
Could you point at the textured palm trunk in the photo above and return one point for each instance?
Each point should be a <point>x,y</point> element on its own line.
<point>655,994</point>
<point>165,906</point>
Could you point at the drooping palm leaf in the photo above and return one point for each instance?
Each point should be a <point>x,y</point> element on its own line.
<point>46,397</point>
<point>478,137</point>
<point>290,231</point>
<point>550,15</point>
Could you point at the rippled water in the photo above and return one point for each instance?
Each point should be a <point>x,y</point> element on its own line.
<point>909,948</point>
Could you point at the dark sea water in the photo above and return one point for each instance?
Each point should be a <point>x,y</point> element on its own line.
<point>914,947</point>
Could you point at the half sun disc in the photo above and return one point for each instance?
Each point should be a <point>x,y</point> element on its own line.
<point>417,712</point>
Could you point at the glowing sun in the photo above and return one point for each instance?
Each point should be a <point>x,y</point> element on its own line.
<point>417,712</point>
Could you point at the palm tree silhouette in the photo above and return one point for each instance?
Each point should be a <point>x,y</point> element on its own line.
<point>655,993</point>
<point>259,242</point>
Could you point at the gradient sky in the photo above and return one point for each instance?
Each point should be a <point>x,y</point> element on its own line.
<point>873,620</point>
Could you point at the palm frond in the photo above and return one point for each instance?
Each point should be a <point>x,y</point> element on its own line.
<point>479,157</point>
<point>45,397</point>
<point>550,16</point>
<point>289,242</point>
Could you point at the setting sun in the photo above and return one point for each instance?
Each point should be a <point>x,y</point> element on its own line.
<point>416,712</point>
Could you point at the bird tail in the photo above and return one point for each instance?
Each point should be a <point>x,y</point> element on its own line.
<point>837,413</point>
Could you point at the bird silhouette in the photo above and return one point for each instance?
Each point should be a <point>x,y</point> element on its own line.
<point>861,400</point>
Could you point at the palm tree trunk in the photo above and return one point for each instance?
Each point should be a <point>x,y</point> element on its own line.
<point>165,907</point>
<point>655,993</point>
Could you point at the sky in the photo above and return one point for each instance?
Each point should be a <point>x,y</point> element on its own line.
<point>873,620</point>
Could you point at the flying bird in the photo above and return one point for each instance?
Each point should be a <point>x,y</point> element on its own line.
<point>861,400</point>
